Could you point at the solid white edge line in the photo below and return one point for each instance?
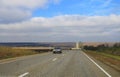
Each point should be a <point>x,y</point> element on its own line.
<point>24,74</point>
<point>54,59</point>
<point>97,65</point>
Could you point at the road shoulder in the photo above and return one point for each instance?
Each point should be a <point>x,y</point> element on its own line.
<point>104,64</point>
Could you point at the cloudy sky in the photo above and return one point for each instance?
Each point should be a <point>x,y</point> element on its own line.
<point>59,20</point>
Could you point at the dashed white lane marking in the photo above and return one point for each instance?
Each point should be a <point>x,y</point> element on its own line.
<point>98,65</point>
<point>24,74</point>
<point>54,59</point>
<point>63,54</point>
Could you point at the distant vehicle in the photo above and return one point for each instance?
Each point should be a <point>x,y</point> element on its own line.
<point>57,50</point>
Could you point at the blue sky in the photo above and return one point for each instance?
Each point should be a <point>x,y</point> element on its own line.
<point>59,20</point>
<point>80,7</point>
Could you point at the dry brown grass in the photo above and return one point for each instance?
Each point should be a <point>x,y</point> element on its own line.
<point>8,52</point>
<point>111,61</point>
<point>95,44</point>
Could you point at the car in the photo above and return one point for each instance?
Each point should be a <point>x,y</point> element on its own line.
<point>57,50</point>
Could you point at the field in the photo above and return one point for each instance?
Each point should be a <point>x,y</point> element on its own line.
<point>95,44</point>
<point>9,52</point>
<point>111,60</point>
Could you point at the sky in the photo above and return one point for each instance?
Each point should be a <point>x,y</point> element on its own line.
<point>59,20</point>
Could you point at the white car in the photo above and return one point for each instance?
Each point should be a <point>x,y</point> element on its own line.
<point>57,50</point>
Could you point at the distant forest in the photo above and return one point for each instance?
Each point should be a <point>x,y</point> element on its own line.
<point>22,44</point>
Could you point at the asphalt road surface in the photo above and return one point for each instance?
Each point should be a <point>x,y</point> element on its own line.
<point>71,63</point>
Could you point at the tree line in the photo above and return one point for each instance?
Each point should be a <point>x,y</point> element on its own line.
<point>114,49</point>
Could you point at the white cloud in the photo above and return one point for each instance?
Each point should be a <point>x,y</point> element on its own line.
<point>65,26</point>
<point>13,15</point>
<point>29,4</point>
<point>20,10</point>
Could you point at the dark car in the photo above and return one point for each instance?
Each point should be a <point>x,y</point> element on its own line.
<point>57,50</point>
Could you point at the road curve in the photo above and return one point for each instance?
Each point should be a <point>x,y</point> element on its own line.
<point>68,64</point>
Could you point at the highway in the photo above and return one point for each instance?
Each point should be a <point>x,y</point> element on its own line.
<point>71,63</point>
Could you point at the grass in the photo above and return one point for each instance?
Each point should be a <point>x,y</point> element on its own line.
<point>109,59</point>
<point>8,52</point>
<point>109,55</point>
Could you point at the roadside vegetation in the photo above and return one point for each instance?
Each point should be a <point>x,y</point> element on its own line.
<point>105,48</point>
<point>109,55</point>
<point>9,52</point>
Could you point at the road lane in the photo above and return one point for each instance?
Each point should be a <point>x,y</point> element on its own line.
<point>74,64</point>
<point>68,64</point>
<point>13,67</point>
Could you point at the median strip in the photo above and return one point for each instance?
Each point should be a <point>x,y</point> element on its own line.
<point>24,74</point>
